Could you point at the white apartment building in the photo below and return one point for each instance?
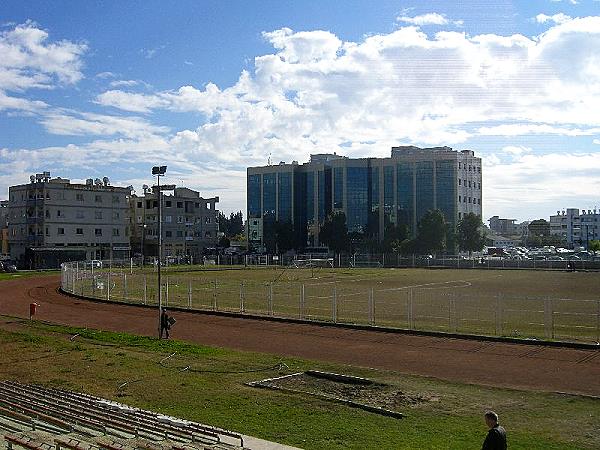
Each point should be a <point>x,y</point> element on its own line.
<point>189,223</point>
<point>52,220</point>
<point>576,228</point>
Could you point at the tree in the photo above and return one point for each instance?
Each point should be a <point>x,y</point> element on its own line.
<point>224,242</point>
<point>431,232</point>
<point>470,233</point>
<point>334,232</point>
<point>231,225</point>
<point>594,245</point>
<point>393,236</point>
<point>285,236</point>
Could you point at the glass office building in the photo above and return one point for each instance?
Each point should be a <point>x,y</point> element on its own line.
<point>372,192</point>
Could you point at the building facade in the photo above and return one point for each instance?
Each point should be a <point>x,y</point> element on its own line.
<point>4,228</point>
<point>504,227</point>
<point>576,228</point>
<point>189,223</point>
<point>372,192</point>
<point>52,220</point>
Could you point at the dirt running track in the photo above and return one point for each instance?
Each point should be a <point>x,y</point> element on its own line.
<point>487,363</point>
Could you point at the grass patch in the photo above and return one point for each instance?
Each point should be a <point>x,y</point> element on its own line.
<point>26,274</point>
<point>212,391</point>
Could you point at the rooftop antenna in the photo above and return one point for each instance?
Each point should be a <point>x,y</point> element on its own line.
<point>269,159</point>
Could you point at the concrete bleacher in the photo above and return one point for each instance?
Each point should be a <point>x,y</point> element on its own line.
<point>38,418</point>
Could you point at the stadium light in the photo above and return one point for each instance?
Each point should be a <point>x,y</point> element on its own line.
<point>158,171</point>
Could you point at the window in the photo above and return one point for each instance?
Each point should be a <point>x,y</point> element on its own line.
<point>79,231</point>
<point>207,220</point>
<point>58,213</point>
<point>180,204</point>
<point>469,184</point>
<point>139,204</point>
<point>168,233</point>
<point>479,201</point>
<point>98,199</point>
<point>61,231</point>
<point>207,234</point>
<point>459,199</point>
<point>148,204</point>
<point>469,199</point>
<point>168,219</point>
<point>478,185</point>
<point>459,183</point>
<point>115,232</point>
<point>179,219</point>
<point>47,214</point>
<point>180,234</point>
<point>47,232</point>
<point>116,215</point>
<point>98,231</point>
<point>168,203</point>
<point>139,219</point>
<point>79,214</point>
<point>197,205</point>
<point>79,197</point>
<point>98,214</point>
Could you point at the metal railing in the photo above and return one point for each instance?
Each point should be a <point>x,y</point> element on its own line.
<point>358,301</point>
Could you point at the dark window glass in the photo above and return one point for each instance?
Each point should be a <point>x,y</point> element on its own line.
<point>424,191</point>
<point>357,196</point>
<point>254,196</point>
<point>405,194</point>
<point>445,180</point>
<point>269,186</point>
<point>310,197</point>
<point>285,197</point>
<point>338,187</point>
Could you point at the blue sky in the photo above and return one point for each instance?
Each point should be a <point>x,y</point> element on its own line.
<point>89,89</point>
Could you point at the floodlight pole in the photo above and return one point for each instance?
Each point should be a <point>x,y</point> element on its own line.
<point>158,171</point>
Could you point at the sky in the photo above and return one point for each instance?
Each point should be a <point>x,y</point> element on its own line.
<point>208,88</point>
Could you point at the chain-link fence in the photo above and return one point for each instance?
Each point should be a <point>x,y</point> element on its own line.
<point>357,301</point>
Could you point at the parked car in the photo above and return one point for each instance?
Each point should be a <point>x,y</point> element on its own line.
<point>8,266</point>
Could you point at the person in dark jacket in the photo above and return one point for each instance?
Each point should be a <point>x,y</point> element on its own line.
<point>165,325</point>
<point>496,437</point>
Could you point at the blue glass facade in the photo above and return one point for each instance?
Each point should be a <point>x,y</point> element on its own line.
<point>338,187</point>
<point>445,185</point>
<point>371,192</point>
<point>284,197</point>
<point>269,194</point>
<point>424,187</point>
<point>357,196</point>
<point>254,196</point>
<point>374,195</point>
<point>405,195</point>
<point>310,197</point>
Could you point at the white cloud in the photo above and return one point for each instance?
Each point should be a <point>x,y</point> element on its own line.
<point>130,101</point>
<point>516,150</point>
<point>532,180</point>
<point>20,104</point>
<point>424,19</point>
<point>28,60</point>
<point>556,18</point>
<point>532,128</point>
<point>83,124</point>
<point>121,83</point>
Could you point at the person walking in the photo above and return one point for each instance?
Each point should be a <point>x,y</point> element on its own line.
<point>496,437</point>
<point>165,325</point>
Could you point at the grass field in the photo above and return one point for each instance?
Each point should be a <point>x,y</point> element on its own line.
<point>98,362</point>
<point>519,303</point>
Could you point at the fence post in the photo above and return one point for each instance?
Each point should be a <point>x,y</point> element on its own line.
<point>303,310</point>
<point>334,304</point>
<point>411,322</point>
<point>371,306</point>
<point>145,290</point>
<point>598,322</point>
<point>167,291</point>
<point>270,300</point>
<point>548,319</point>
<point>498,315</point>
<point>124,286</point>
<point>453,313</point>
<point>108,286</point>
<point>190,294</point>
<point>242,297</point>
<point>215,296</point>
